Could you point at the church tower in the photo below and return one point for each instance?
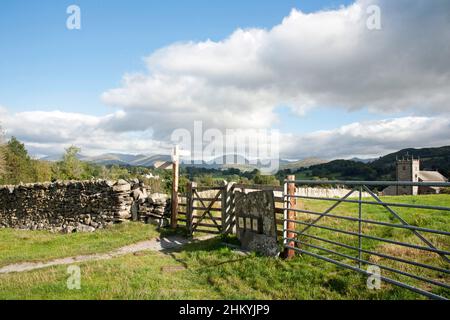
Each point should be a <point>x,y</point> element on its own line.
<point>408,170</point>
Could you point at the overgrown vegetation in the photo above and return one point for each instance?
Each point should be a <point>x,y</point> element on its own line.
<point>211,177</point>
<point>2,154</point>
<point>16,166</point>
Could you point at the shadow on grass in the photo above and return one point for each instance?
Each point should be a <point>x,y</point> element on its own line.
<point>209,245</point>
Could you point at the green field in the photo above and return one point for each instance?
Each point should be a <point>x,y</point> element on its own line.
<point>210,269</point>
<point>213,271</point>
<point>431,219</point>
<point>31,246</point>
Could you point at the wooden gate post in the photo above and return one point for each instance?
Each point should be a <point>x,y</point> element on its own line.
<point>290,215</point>
<point>189,205</point>
<point>175,167</point>
<point>224,207</point>
<point>227,210</point>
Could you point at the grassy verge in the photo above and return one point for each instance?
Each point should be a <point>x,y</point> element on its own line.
<point>22,245</point>
<point>209,270</point>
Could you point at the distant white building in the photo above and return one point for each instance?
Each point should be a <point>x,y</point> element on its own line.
<point>409,170</point>
<point>151,176</point>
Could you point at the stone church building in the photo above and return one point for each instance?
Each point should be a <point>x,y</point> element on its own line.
<point>409,170</point>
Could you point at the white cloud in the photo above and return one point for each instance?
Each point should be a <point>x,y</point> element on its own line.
<point>327,58</point>
<point>49,133</point>
<point>369,139</point>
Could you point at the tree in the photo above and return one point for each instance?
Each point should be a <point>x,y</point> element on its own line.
<point>266,180</point>
<point>2,154</point>
<point>42,171</point>
<point>116,172</point>
<point>70,168</point>
<point>19,166</point>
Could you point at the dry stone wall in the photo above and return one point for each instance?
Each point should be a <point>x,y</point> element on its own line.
<point>325,193</point>
<point>75,206</point>
<point>155,210</point>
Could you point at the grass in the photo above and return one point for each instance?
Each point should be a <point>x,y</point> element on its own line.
<point>211,270</point>
<point>432,219</point>
<point>23,245</point>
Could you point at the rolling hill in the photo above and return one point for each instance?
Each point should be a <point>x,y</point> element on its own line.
<point>125,159</point>
<point>305,163</point>
<point>382,168</point>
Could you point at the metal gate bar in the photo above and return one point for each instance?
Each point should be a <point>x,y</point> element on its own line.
<point>360,187</point>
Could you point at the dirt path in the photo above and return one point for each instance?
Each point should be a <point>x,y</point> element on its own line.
<point>159,244</point>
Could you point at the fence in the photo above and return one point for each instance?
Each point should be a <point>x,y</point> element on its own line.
<point>407,241</point>
<point>211,209</point>
<point>371,237</point>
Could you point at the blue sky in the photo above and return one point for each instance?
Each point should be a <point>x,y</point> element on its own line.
<point>44,68</point>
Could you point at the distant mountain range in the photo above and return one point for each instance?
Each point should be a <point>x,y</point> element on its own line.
<point>118,159</point>
<point>139,160</point>
<point>237,162</point>
<point>355,168</point>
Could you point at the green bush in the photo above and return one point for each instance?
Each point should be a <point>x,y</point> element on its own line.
<point>2,154</point>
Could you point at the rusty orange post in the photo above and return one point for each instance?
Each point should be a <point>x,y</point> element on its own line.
<point>291,215</point>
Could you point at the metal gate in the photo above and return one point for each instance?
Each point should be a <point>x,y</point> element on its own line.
<point>387,235</point>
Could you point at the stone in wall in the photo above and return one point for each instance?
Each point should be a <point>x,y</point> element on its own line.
<point>156,210</point>
<point>72,206</point>
<point>255,220</point>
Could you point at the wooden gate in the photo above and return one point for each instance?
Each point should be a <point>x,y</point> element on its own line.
<point>211,209</point>
<point>204,209</point>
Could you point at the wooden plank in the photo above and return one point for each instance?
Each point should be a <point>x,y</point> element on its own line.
<point>205,225</point>
<point>258,187</point>
<point>205,218</point>
<point>203,189</point>
<point>207,199</point>
<point>206,209</point>
<point>208,231</point>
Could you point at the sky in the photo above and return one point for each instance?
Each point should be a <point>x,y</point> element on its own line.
<point>138,70</point>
